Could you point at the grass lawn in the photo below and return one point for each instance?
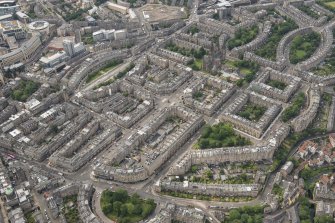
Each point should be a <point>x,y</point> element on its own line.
<point>104,70</point>
<point>331,4</point>
<point>246,71</point>
<point>300,54</point>
<point>303,47</point>
<point>230,63</point>
<point>198,63</point>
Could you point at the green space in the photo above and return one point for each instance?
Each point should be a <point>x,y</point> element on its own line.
<point>246,68</point>
<point>196,64</point>
<point>294,109</point>
<point>240,179</point>
<point>328,4</point>
<point>121,207</point>
<point>324,219</point>
<point>77,15</point>
<point>328,67</point>
<point>193,30</point>
<point>268,50</point>
<point>306,210</point>
<point>198,95</point>
<point>87,39</point>
<point>24,91</point>
<point>249,214</point>
<point>29,217</point>
<point>279,192</point>
<point>216,16</point>
<point>206,197</point>
<point>70,209</point>
<point>312,175</point>
<point>220,135</point>
<point>303,46</point>
<point>309,11</point>
<point>252,112</point>
<point>103,70</point>
<point>281,154</point>
<point>243,36</point>
<point>323,112</point>
<point>118,76</point>
<point>198,54</point>
<point>276,84</point>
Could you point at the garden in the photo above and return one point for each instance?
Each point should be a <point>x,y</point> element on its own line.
<point>243,36</point>
<point>123,208</point>
<point>246,214</point>
<point>303,46</point>
<point>25,90</point>
<point>252,112</point>
<point>220,135</point>
<point>197,55</point>
<point>70,209</point>
<point>268,50</point>
<point>294,109</point>
<point>246,68</point>
<point>276,84</point>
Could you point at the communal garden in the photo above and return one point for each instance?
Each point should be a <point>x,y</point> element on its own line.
<point>327,68</point>
<point>309,11</point>
<point>220,135</point>
<point>25,90</point>
<point>303,46</point>
<point>246,68</point>
<point>253,214</point>
<point>70,209</point>
<point>243,36</point>
<point>294,109</point>
<point>276,84</point>
<point>123,208</point>
<point>252,112</point>
<point>268,50</point>
<point>197,55</point>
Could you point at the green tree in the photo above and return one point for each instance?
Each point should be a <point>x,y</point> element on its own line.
<point>324,219</point>
<point>117,207</point>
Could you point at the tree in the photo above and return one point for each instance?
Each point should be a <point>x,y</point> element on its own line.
<point>137,209</point>
<point>108,208</point>
<point>120,195</point>
<point>234,214</point>
<point>117,207</point>
<point>324,219</point>
<point>123,210</point>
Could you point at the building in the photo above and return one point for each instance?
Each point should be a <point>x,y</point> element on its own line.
<point>12,28</point>
<point>53,60</point>
<point>120,34</point>
<point>103,34</point>
<point>43,27</point>
<point>8,7</point>
<point>118,8</point>
<point>73,49</point>
<point>22,54</point>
